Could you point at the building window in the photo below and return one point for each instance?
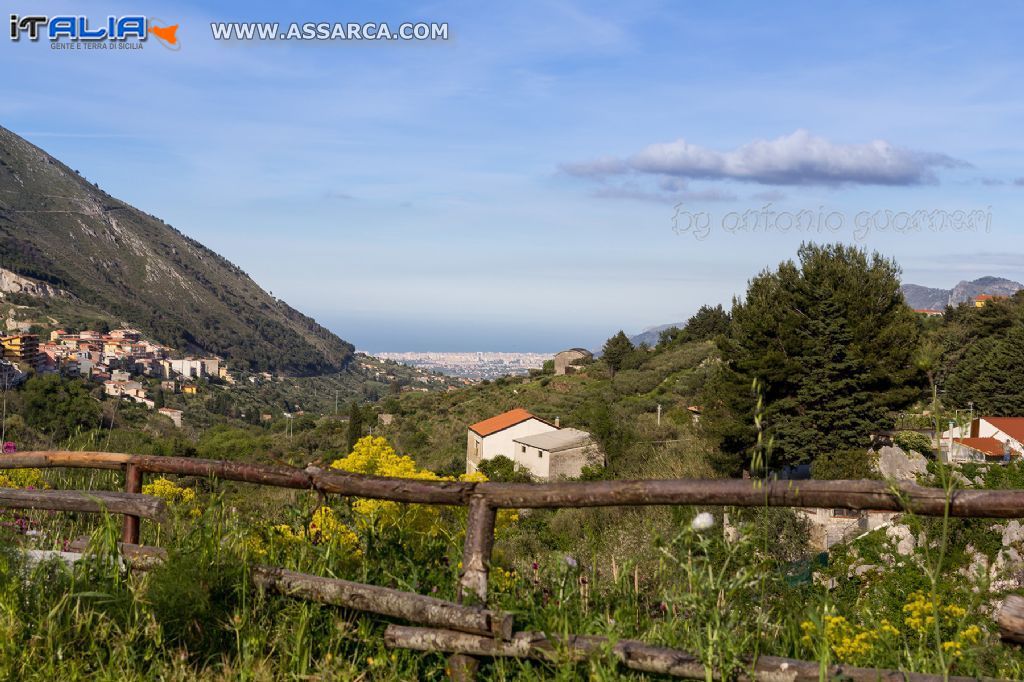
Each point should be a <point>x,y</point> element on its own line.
<point>846,513</point>
<point>540,453</point>
<point>523,448</point>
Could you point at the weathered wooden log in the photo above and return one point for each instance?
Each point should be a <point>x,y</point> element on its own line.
<point>72,459</point>
<point>384,601</point>
<point>864,495</point>
<point>142,557</point>
<point>875,495</point>
<point>334,482</point>
<point>637,656</point>
<point>476,552</point>
<point>1010,619</point>
<point>132,484</point>
<point>95,501</point>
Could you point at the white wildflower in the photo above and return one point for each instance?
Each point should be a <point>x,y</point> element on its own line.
<point>702,522</point>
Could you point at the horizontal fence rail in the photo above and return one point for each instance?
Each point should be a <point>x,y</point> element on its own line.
<point>84,501</point>
<point>639,656</point>
<point>857,495</point>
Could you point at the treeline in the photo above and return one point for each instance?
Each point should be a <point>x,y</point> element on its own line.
<point>823,351</point>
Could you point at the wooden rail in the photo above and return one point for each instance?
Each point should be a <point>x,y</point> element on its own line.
<point>471,631</point>
<point>638,656</point>
<point>858,495</point>
<point>143,506</point>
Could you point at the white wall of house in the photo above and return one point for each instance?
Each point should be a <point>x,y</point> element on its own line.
<point>988,430</point>
<point>535,460</point>
<point>500,442</point>
<point>567,463</point>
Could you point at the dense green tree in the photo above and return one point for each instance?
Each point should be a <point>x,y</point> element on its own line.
<point>616,351</point>
<point>707,323</point>
<point>158,399</point>
<point>991,375</point>
<point>59,407</point>
<point>355,425</point>
<point>831,344</point>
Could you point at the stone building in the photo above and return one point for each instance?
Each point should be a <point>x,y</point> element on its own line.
<point>492,437</point>
<point>557,454</point>
<point>564,360</point>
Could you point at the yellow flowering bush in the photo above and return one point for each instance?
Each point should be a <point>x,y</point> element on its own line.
<point>324,528</point>
<point>854,643</point>
<point>373,455</point>
<point>21,478</point>
<point>848,642</point>
<point>169,491</point>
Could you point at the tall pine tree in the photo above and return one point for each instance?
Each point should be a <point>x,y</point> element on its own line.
<point>831,343</point>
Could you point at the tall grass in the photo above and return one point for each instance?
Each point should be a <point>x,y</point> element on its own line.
<point>197,617</point>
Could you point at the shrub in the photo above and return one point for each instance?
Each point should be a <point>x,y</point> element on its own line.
<point>912,440</point>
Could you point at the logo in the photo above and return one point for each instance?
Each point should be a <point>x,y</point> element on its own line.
<point>126,32</point>
<point>167,35</point>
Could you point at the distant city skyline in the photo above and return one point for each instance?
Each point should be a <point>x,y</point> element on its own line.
<point>519,186</point>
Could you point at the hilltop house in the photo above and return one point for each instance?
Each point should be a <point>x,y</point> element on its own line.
<point>565,359</point>
<point>557,454</point>
<point>987,439</point>
<point>172,414</point>
<point>495,436</point>
<point>982,300</point>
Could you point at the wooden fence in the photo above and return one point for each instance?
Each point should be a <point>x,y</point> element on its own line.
<point>467,629</point>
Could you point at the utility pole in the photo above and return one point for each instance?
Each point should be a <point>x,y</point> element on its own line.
<point>659,414</point>
<point>335,401</point>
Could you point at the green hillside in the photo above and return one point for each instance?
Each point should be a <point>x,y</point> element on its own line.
<point>58,228</point>
<point>621,411</point>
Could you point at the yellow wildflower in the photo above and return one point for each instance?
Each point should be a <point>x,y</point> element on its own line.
<point>971,634</point>
<point>169,491</point>
<point>374,456</point>
<point>22,478</point>
<point>888,628</point>
<point>954,611</point>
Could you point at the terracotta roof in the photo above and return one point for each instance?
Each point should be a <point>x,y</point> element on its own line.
<point>989,446</point>
<point>1011,426</point>
<point>986,297</point>
<point>502,421</point>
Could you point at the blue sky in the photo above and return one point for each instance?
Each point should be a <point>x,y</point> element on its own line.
<point>514,188</point>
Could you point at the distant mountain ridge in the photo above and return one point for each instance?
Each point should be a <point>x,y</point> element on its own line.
<point>929,298</point>
<point>59,230</point>
<point>651,335</point>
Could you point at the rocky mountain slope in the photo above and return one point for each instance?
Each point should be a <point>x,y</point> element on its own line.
<point>59,230</point>
<point>936,299</point>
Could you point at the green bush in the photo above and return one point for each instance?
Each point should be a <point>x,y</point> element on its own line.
<point>912,440</point>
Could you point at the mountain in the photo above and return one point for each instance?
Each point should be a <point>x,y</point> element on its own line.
<point>58,229</point>
<point>651,335</point>
<point>930,298</point>
<point>925,298</point>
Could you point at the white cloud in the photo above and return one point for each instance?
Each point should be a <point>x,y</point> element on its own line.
<point>796,159</point>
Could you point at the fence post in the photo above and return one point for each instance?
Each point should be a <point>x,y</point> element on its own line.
<point>476,554</point>
<point>132,484</point>
<point>476,560</point>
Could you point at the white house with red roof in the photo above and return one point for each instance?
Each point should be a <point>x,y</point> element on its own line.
<point>987,440</point>
<point>496,436</point>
